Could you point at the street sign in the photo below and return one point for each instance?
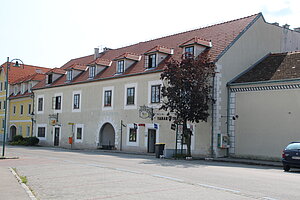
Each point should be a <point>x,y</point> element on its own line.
<point>155,126</point>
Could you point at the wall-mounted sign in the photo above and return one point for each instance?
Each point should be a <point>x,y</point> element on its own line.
<point>146,112</point>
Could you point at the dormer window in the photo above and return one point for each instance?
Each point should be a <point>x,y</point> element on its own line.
<point>195,46</point>
<point>120,67</point>
<point>126,60</point>
<point>189,51</point>
<point>156,55</point>
<point>92,71</point>
<point>69,75</point>
<point>151,60</point>
<point>50,78</point>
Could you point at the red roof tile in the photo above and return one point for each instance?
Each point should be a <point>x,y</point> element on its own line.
<point>222,36</point>
<point>31,77</point>
<point>130,56</point>
<point>197,40</point>
<point>16,73</point>
<point>100,61</point>
<point>161,49</point>
<point>56,71</point>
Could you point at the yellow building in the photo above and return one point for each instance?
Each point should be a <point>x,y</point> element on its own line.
<point>20,102</point>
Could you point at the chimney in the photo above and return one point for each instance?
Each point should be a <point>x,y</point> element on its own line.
<point>96,55</point>
<point>106,49</point>
<point>276,23</point>
<point>297,29</point>
<point>286,26</point>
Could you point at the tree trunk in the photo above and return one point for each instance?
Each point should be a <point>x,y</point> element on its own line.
<point>187,136</point>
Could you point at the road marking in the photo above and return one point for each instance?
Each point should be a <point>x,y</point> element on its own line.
<point>219,188</point>
<point>126,170</point>
<point>96,165</point>
<point>269,198</point>
<point>167,177</point>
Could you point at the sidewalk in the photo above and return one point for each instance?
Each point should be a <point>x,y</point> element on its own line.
<point>249,161</point>
<point>10,188</point>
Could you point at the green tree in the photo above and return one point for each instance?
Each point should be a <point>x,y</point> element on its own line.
<point>187,90</point>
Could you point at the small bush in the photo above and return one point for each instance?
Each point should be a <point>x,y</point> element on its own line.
<point>17,138</point>
<point>28,141</point>
<point>33,141</point>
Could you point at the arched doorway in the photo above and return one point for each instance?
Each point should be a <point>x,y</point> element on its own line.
<point>107,136</point>
<point>13,132</point>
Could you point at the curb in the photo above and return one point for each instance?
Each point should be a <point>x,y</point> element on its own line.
<point>27,190</point>
<point>249,162</point>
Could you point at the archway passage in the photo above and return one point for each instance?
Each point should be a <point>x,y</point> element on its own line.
<point>13,132</point>
<point>107,136</point>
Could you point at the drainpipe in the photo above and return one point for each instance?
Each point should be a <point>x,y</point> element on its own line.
<point>212,119</point>
<point>228,116</point>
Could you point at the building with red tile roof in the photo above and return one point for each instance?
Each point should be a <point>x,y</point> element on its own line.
<point>105,94</point>
<point>21,80</point>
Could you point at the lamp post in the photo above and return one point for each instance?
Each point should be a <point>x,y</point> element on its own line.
<point>6,98</point>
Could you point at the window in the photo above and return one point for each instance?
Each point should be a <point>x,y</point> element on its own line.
<point>120,68</point>
<point>40,103</point>
<point>92,71</point>
<point>21,109</point>
<point>155,93</point>
<point>69,75</point>
<point>79,132</point>
<point>130,96</point>
<point>1,86</point>
<point>76,101</point>
<point>28,131</point>
<point>189,51</point>
<point>3,123</point>
<point>107,98</point>
<point>20,130</point>
<point>0,105</point>
<point>50,78</point>
<point>4,104</point>
<point>152,61</point>
<point>29,87</point>
<point>41,132</point>
<point>29,109</point>
<point>132,135</point>
<point>57,105</point>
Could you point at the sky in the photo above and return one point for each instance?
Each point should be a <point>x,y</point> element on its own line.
<point>49,33</point>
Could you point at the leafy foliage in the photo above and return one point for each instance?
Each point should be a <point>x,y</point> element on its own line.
<point>28,141</point>
<point>187,90</point>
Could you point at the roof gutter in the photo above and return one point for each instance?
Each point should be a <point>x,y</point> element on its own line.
<point>101,79</point>
<point>264,82</point>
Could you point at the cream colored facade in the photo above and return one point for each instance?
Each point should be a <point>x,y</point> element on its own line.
<point>93,116</point>
<point>2,102</point>
<point>255,42</point>
<point>268,118</point>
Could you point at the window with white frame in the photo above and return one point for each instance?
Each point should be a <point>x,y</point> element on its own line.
<point>92,71</point>
<point>76,101</point>
<point>0,104</point>
<point>40,104</point>
<point>151,60</point>
<point>130,96</point>
<point>132,134</point>
<point>69,75</point>
<point>3,123</point>
<point>14,110</point>
<point>50,78</point>
<point>189,51</point>
<point>1,86</point>
<point>79,132</point>
<point>155,94</point>
<point>57,101</point>
<point>120,66</point>
<point>107,98</point>
<point>41,131</point>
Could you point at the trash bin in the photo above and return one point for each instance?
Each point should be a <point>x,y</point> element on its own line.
<point>159,149</point>
<point>70,140</point>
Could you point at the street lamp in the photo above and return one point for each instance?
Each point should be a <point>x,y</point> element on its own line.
<point>6,97</point>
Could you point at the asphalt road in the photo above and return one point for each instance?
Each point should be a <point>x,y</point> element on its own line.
<point>62,174</point>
